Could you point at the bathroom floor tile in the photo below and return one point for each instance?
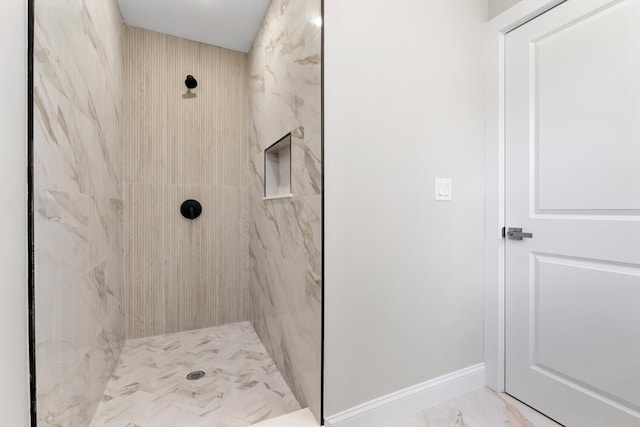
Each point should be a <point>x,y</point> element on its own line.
<point>149,388</point>
<point>482,408</point>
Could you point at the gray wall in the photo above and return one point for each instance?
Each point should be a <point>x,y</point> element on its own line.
<point>404,104</point>
<point>14,368</point>
<point>496,7</point>
<point>79,269</point>
<point>285,235</point>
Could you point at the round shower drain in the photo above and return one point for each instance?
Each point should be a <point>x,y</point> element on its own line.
<point>195,375</point>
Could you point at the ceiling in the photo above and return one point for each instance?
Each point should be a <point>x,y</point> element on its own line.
<point>231,24</point>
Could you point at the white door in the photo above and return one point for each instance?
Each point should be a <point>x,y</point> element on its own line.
<point>573,181</point>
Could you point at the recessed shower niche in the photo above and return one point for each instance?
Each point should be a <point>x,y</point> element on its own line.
<point>277,169</point>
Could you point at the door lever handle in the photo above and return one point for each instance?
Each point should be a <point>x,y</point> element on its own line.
<point>517,234</point>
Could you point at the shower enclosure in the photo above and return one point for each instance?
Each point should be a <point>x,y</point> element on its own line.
<point>119,144</point>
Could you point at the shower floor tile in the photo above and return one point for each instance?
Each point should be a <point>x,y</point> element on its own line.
<point>149,387</point>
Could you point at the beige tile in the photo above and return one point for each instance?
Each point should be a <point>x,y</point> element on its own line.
<point>146,258</point>
<point>176,137</point>
<point>184,274</point>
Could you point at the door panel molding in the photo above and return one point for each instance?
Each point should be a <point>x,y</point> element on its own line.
<point>494,284</point>
<point>556,325</point>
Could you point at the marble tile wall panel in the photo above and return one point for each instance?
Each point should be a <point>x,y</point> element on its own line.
<point>285,243</point>
<point>78,96</point>
<point>182,274</point>
<point>79,265</point>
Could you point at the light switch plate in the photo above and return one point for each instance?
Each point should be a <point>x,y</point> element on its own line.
<point>443,189</point>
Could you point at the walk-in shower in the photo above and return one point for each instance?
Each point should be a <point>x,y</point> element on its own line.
<point>167,287</point>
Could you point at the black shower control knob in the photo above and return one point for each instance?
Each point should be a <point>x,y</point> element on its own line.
<point>191,82</point>
<point>191,209</point>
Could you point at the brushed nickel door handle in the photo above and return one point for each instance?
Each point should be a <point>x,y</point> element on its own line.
<point>517,234</point>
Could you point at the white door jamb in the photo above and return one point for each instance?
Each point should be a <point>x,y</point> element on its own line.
<point>494,280</point>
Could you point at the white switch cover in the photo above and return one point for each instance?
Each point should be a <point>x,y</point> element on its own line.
<point>443,189</point>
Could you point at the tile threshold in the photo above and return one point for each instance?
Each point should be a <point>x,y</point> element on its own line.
<point>301,418</point>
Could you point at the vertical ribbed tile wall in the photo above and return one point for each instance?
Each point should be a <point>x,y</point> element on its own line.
<point>285,249</point>
<point>78,200</point>
<point>183,274</point>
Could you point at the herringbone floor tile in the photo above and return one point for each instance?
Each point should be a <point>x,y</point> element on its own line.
<point>149,387</point>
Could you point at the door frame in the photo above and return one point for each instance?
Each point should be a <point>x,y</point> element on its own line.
<point>494,248</point>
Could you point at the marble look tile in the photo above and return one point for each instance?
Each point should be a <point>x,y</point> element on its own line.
<point>79,268</point>
<point>285,252</point>
<point>75,235</point>
<point>288,317</point>
<point>68,404</point>
<point>291,227</point>
<point>242,385</point>
<point>535,417</point>
<point>82,324</point>
<point>301,418</point>
<point>305,168</point>
<point>107,226</point>
<point>89,71</point>
<point>73,152</point>
<point>63,250</point>
<point>75,363</point>
<point>482,408</point>
<point>73,400</point>
<point>78,97</point>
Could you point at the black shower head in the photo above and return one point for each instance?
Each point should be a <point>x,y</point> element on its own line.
<point>191,82</point>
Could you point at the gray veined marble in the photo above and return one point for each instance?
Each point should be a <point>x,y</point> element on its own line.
<point>285,262</point>
<point>241,385</point>
<point>481,408</point>
<point>79,266</point>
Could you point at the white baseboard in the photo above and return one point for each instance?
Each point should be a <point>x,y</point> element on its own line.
<point>403,403</point>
